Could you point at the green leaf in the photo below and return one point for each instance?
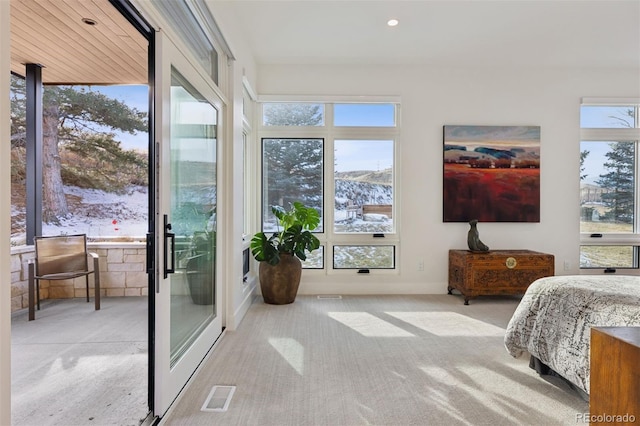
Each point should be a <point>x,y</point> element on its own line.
<point>294,237</point>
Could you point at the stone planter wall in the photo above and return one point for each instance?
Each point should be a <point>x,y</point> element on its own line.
<point>122,273</point>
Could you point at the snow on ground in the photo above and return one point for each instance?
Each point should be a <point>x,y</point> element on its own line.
<point>105,214</point>
<point>346,222</point>
<point>100,214</point>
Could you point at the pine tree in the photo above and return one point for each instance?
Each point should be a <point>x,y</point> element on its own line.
<point>292,167</point>
<point>618,182</point>
<point>293,172</point>
<point>74,120</point>
<point>296,114</point>
<point>583,155</point>
<point>18,109</point>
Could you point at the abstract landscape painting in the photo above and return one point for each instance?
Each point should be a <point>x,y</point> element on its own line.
<point>491,173</point>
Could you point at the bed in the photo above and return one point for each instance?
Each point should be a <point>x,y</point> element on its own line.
<point>553,321</point>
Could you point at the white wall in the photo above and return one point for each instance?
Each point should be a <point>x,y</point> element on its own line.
<point>239,295</point>
<point>431,98</point>
<point>5,219</point>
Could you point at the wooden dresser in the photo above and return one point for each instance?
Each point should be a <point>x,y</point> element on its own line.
<point>614,394</point>
<point>496,272</point>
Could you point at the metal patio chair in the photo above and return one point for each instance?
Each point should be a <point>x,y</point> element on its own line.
<point>61,258</point>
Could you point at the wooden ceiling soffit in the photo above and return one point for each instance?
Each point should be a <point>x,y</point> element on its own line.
<point>54,34</point>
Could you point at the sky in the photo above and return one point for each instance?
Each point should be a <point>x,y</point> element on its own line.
<point>353,155</point>
<point>135,96</point>
<point>605,117</point>
<point>379,115</point>
<point>600,117</point>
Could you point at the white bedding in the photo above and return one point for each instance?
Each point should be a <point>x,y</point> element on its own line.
<point>554,318</point>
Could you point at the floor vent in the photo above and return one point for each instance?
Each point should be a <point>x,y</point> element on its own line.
<point>329,296</point>
<point>219,398</point>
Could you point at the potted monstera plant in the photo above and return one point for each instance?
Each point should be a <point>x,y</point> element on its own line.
<point>281,253</point>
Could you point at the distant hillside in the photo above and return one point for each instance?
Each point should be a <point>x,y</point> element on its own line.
<point>382,176</point>
<point>364,187</point>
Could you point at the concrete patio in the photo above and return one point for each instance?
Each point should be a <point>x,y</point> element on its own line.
<point>77,366</point>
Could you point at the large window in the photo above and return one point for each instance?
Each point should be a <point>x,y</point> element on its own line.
<point>340,159</point>
<point>609,225</point>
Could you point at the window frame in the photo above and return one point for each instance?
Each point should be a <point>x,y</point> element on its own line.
<point>615,134</point>
<point>328,238</point>
<point>249,160</point>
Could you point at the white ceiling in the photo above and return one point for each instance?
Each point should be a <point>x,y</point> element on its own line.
<point>556,33</point>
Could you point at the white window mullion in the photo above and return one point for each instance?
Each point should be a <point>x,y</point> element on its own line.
<point>631,134</point>
<point>330,189</point>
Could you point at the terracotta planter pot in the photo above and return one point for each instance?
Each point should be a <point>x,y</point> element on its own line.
<point>200,280</point>
<point>279,283</point>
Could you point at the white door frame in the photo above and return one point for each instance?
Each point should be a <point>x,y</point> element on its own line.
<point>170,380</point>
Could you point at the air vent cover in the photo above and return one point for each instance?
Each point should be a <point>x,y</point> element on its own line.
<point>219,398</point>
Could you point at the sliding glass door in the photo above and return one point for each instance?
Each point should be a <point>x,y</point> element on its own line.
<point>188,321</point>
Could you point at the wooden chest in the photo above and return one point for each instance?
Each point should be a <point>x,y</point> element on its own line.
<point>496,272</point>
<point>615,374</point>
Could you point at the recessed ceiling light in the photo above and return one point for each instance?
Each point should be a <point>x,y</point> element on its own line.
<point>392,22</point>
<point>89,21</point>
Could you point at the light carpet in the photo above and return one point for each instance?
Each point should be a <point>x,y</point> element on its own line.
<point>376,360</point>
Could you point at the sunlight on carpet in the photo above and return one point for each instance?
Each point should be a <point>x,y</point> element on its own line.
<point>291,351</point>
<point>368,325</point>
<point>448,324</point>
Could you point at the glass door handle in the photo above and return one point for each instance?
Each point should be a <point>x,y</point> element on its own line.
<point>172,246</point>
